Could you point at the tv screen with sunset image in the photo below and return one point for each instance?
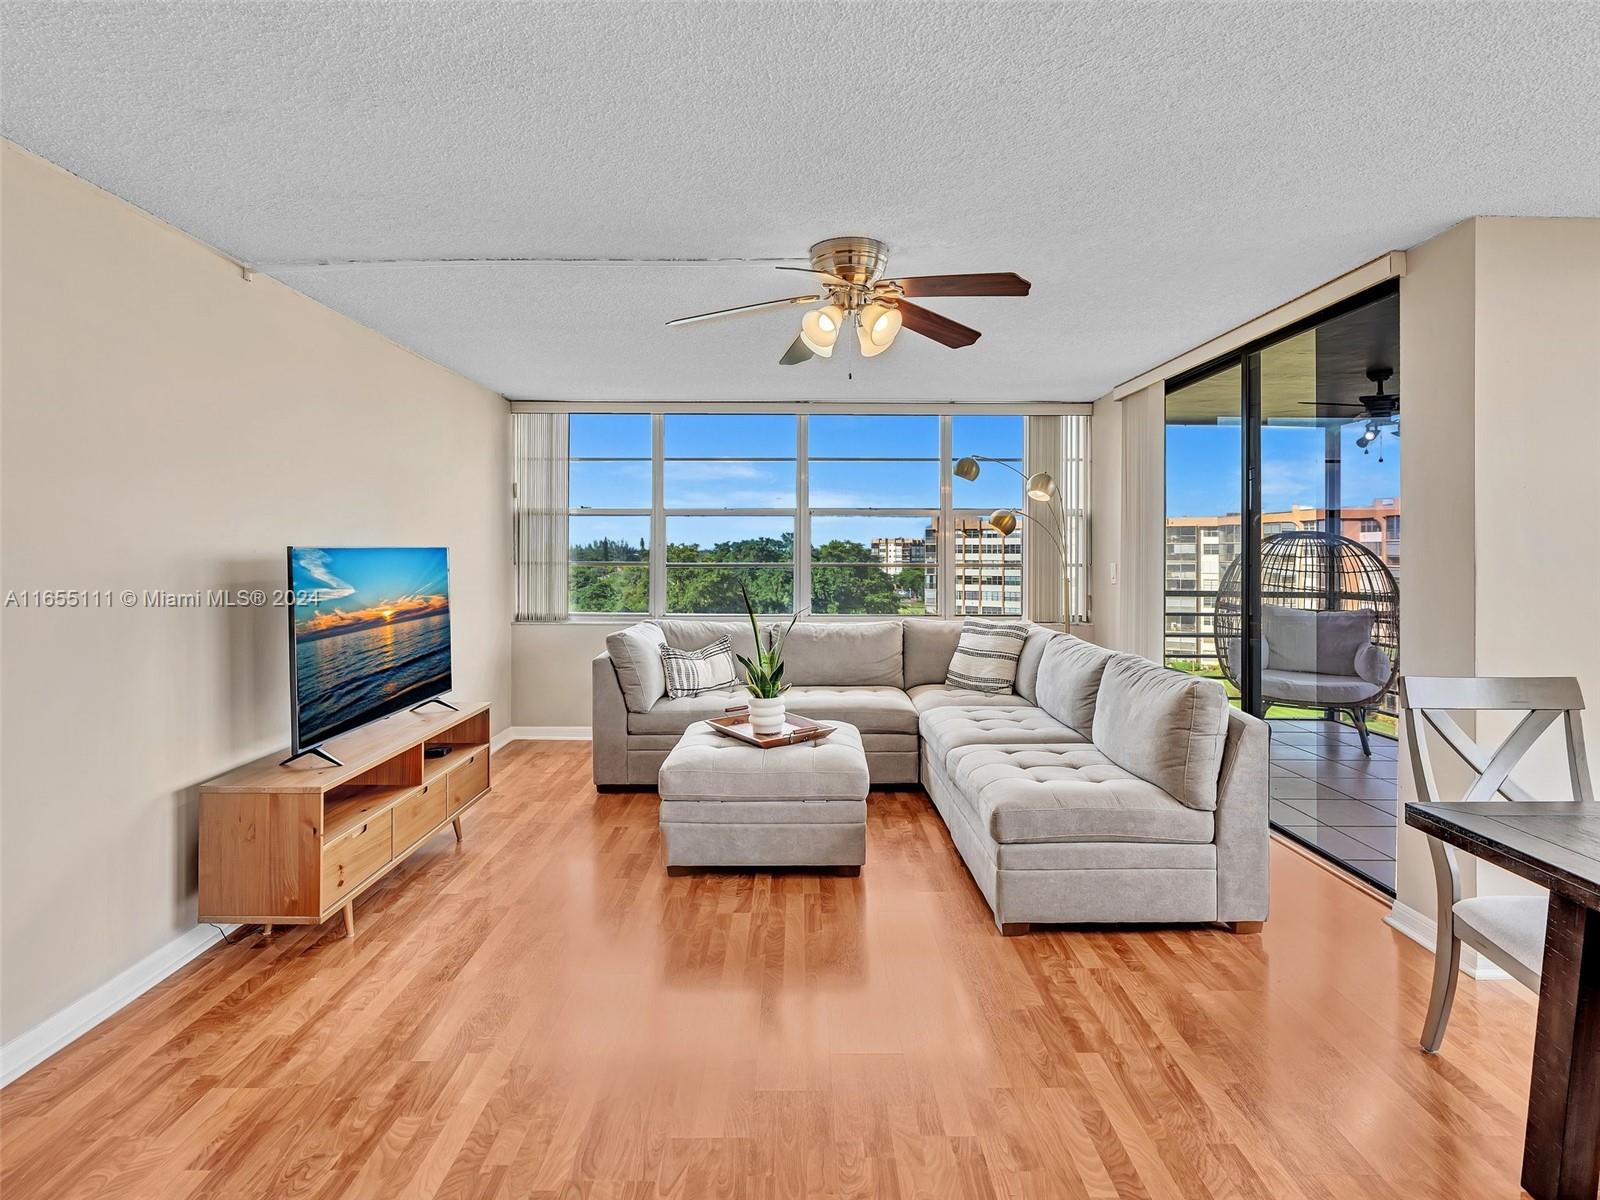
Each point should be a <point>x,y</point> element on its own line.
<point>370,635</point>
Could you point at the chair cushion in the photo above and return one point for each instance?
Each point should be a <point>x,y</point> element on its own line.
<point>1307,687</point>
<point>1038,794</point>
<point>1166,727</point>
<point>945,729</point>
<point>872,710</point>
<point>636,657</point>
<point>844,654</point>
<point>1514,923</point>
<point>938,695</point>
<point>1069,680</point>
<point>1303,639</point>
<point>986,656</point>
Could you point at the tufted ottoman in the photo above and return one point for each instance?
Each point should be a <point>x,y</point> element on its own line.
<point>725,803</point>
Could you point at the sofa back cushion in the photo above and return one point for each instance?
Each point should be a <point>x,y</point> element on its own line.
<point>1321,643</point>
<point>696,635</point>
<point>853,654</point>
<point>1068,677</point>
<point>1027,685</point>
<point>1166,727</point>
<point>929,647</point>
<point>636,658</point>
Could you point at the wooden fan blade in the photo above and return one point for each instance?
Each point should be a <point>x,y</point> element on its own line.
<point>941,329</point>
<point>797,352</point>
<point>991,283</point>
<point>744,309</point>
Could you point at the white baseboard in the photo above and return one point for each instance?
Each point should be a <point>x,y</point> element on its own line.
<point>27,1050</point>
<point>543,733</point>
<point>1422,929</point>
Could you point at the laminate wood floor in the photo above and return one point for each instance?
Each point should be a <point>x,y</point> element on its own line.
<point>541,1012</point>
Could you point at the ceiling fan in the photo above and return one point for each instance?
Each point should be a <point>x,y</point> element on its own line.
<point>854,291</point>
<point>1379,409</point>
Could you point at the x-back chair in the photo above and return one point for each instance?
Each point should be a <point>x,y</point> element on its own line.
<point>1507,930</point>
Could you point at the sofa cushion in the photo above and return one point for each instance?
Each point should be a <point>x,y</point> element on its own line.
<point>1166,727</point>
<point>1323,643</point>
<point>1070,670</point>
<point>1028,662</point>
<point>938,695</point>
<point>986,656</point>
<point>694,672</point>
<point>853,654</point>
<point>946,729</point>
<point>930,644</point>
<point>872,710</point>
<point>1037,794</point>
<point>691,635</point>
<point>636,657</point>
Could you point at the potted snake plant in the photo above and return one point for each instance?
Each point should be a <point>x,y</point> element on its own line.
<point>764,676</point>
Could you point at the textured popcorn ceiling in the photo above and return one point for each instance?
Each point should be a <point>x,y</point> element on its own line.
<point>1160,171</point>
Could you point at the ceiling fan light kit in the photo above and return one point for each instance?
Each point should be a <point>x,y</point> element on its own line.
<point>851,269</point>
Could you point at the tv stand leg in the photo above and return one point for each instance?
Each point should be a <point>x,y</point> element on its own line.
<point>318,751</point>
<point>350,919</point>
<point>436,700</point>
<point>456,825</point>
<point>266,932</point>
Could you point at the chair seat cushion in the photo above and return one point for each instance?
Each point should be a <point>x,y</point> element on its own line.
<point>1514,923</point>
<point>946,729</point>
<point>1311,688</point>
<point>1037,794</point>
<point>870,709</point>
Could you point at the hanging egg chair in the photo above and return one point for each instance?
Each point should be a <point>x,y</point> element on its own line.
<point>1330,624</point>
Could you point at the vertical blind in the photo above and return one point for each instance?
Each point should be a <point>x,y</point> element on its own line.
<point>539,515</point>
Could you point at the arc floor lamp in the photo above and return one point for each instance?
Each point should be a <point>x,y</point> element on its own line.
<point>1039,486</point>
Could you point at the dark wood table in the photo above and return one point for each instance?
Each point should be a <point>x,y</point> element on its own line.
<point>1556,845</point>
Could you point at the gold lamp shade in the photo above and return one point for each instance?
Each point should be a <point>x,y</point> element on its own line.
<point>1004,521</point>
<point>1041,487</point>
<point>967,468</point>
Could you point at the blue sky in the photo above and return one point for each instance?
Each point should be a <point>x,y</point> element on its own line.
<point>738,482</point>
<point>366,577</point>
<point>1203,468</point>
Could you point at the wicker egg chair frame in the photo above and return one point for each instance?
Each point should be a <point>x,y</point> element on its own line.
<point>1323,572</point>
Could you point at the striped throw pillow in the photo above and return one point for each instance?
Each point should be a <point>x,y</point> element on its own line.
<point>695,672</point>
<point>986,656</point>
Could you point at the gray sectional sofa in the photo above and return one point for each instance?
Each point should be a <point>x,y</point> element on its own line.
<point>1104,789</point>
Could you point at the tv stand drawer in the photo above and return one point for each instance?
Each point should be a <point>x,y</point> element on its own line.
<point>355,857</point>
<point>469,778</point>
<point>419,815</point>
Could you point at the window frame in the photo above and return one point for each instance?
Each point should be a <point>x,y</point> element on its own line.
<point>943,517</point>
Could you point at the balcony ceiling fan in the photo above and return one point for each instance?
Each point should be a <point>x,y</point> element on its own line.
<point>854,291</point>
<point>1380,410</point>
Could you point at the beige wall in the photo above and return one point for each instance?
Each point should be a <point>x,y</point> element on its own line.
<point>553,665</point>
<point>168,425</point>
<point>1500,369</point>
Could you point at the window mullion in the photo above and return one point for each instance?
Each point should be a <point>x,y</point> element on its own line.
<point>658,518</point>
<point>802,515</point>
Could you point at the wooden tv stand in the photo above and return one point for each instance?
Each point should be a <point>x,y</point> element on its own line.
<point>293,844</point>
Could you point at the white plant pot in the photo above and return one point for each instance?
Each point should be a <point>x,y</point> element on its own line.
<point>766,716</point>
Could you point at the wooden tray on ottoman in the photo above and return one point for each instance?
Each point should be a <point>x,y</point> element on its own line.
<point>796,729</point>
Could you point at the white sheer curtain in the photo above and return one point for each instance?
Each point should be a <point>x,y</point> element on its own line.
<point>1059,445</point>
<point>539,522</point>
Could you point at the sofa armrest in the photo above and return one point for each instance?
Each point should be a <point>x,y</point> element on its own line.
<point>609,725</point>
<point>1243,835</point>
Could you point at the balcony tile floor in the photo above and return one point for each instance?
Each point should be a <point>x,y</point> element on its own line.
<point>1328,795</point>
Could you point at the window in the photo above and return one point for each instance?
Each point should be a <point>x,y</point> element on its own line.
<point>609,488</point>
<point>844,514</point>
<point>873,487</point>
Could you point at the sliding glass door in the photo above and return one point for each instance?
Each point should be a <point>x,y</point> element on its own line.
<point>1283,557</point>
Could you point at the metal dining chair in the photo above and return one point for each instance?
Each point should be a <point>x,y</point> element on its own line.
<point>1507,930</point>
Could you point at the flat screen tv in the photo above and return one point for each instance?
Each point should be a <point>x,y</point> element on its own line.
<point>369,635</point>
